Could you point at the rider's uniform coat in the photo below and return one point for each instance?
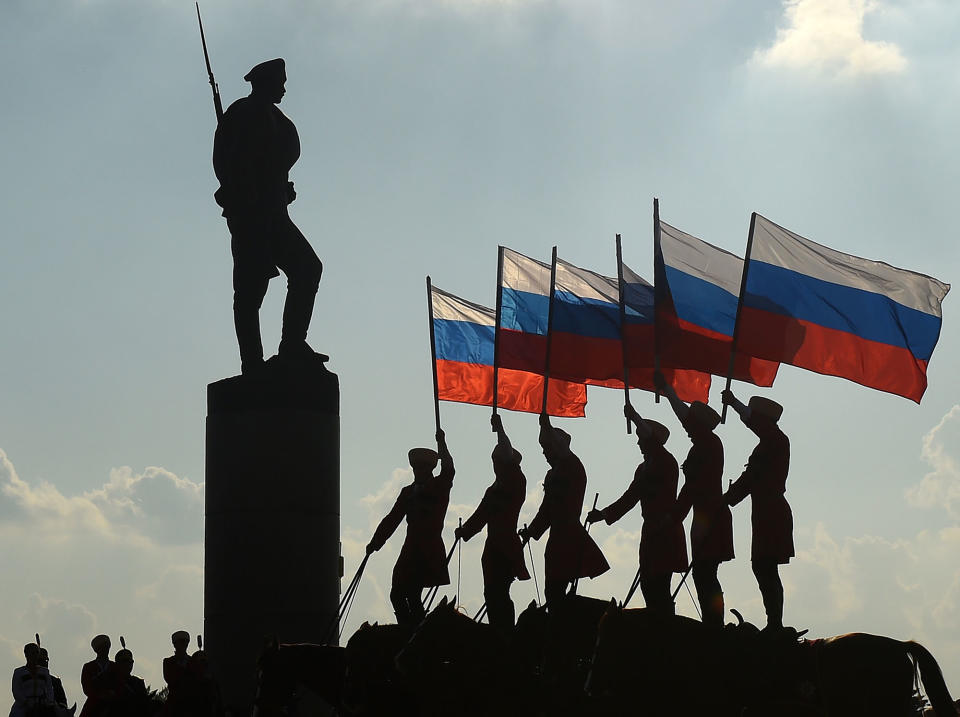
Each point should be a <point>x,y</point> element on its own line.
<point>570,552</point>
<point>711,534</point>
<point>764,479</point>
<point>423,557</point>
<point>499,510</point>
<point>663,548</point>
<point>100,685</point>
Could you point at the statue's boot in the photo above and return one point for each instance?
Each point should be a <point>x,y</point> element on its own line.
<point>297,312</point>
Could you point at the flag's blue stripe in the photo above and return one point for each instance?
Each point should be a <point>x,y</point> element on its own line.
<point>463,341</point>
<point>843,308</point>
<point>702,303</point>
<point>523,311</point>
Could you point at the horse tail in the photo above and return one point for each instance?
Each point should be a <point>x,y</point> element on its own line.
<point>932,677</point>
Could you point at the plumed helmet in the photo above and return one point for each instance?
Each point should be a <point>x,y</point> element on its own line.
<point>704,415</point>
<point>100,642</point>
<point>123,655</point>
<point>765,407</point>
<point>271,70</point>
<point>504,455</point>
<point>425,458</point>
<point>660,432</point>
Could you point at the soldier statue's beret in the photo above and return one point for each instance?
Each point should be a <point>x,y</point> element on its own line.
<point>660,432</point>
<point>180,636</point>
<point>123,655</point>
<point>100,641</point>
<point>271,70</point>
<point>704,415</point>
<point>423,458</point>
<point>765,407</point>
<point>503,455</point>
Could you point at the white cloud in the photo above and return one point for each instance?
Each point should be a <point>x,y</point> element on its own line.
<point>827,36</point>
<point>941,486</point>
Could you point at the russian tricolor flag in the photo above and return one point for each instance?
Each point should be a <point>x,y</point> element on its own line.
<point>837,314</point>
<point>587,333</point>
<point>463,346</point>
<point>697,289</point>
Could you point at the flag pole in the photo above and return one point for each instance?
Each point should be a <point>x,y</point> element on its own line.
<point>546,362</point>
<point>736,324</point>
<point>656,334</point>
<point>623,324</point>
<point>433,355</point>
<point>496,332</point>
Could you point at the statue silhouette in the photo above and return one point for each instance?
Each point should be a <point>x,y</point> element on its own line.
<point>33,692</point>
<point>422,562</point>
<point>663,546</point>
<point>499,510</point>
<point>765,480</point>
<point>253,150</point>
<point>570,553</point>
<point>711,535</point>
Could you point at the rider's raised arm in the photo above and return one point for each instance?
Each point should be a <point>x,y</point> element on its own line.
<point>446,460</point>
<point>736,404</point>
<point>678,406</point>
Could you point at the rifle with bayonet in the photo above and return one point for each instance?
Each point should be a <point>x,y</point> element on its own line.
<point>217,106</point>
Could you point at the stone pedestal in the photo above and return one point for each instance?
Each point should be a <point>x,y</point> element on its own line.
<point>272,531</point>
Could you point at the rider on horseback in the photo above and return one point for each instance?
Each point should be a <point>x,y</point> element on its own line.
<point>765,479</point>
<point>422,562</point>
<point>663,546</point>
<point>711,535</point>
<point>499,510</point>
<point>570,552</point>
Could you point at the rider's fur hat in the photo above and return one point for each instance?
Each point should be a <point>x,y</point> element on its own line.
<point>660,432</point>
<point>100,641</point>
<point>503,455</point>
<point>425,458</point>
<point>703,415</point>
<point>761,406</point>
<point>123,655</point>
<point>180,636</point>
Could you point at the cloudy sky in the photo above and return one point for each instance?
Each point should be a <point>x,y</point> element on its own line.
<point>432,131</point>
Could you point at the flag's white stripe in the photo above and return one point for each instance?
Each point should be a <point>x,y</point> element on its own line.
<point>696,257</point>
<point>632,277</point>
<point>772,244</point>
<point>521,273</point>
<point>453,308</point>
<point>585,283</point>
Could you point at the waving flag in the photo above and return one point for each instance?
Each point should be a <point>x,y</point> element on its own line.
<point>697,289</point>
<point>587,334</point>
<point>463,347</point>
<point>837,314</point>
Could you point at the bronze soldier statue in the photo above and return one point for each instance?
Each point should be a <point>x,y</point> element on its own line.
<point>98,678</point>
<point>422,562</point>
<point>765,480</point>
<point>663,546</point>
<point>711,534</point>
<point>570,552</point>
<point>253,150</point>
<point>499,510</point>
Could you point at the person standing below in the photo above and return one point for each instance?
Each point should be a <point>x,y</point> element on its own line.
<point>711,534</point>
<point>764,479</point>
<point>663,546</point>
<point>32,686</point>
<point>570,552</point>
<point>176,673</point>
<point>98,679</point>
<point>131,696</point>
<point>253,151</point>
<point>499,510</point>
<point>423,560</point>
<point>59,694</point>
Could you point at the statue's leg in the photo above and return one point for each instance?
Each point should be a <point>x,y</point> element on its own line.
<point>709,592</point>
<point>297,259</point>
<point>248,293</point>
<point>767,573</point>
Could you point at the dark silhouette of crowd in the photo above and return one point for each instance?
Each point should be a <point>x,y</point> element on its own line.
<point>110,687</point>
